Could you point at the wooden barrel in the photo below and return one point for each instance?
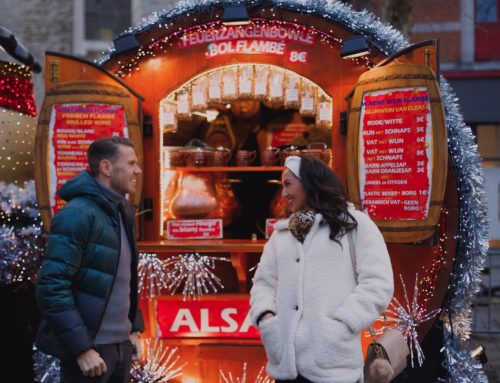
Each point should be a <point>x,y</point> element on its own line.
<point>397,150</point>
<point>72,116</point>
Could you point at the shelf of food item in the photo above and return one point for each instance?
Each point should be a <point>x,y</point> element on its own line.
<point>226,169</point>
<point>203,245</point>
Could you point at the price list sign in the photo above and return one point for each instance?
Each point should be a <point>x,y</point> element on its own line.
<point>73,127</point>
<point>395,147</point>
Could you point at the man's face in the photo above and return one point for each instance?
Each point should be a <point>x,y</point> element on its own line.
<point>124,171</point>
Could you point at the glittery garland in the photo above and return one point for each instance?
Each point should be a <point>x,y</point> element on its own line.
<point>461,367</point>
<point>472,241</point>
<point>21,244</point>
<point>46,368</point>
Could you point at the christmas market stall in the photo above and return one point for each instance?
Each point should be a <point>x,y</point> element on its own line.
<point>215,95</point>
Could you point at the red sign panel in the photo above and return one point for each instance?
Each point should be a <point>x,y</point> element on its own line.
<point>284,134</point>
<point>73,127</point>
<point>223,316</point>
<point>396,161</point>
<point>194,229</point>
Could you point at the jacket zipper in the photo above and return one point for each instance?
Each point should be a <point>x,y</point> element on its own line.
<point>114,275</point>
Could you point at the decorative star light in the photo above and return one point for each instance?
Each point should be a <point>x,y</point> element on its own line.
<point>260,378</point>
<point>159,364</point>
<point>194,272</point>
<point>153,275</point>
<point>407,318</point>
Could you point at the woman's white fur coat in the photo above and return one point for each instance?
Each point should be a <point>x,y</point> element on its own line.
<point>320,310</point>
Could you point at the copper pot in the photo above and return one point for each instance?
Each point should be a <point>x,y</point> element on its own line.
<point>229,207</point>
<point>279,206</point>
<point>195,196</point>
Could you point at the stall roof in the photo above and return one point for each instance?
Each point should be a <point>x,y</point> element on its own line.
<point>381,35</point>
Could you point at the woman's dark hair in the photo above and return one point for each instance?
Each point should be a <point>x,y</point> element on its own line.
<point>326,195</point>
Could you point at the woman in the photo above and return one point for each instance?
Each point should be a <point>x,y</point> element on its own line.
<point>307,300</point>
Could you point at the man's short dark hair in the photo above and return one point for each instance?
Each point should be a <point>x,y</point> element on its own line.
<point>105,149</point>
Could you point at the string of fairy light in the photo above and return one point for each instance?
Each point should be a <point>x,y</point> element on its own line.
<point>161,45</point>
<point>16,88</point>
<point>431,273</point>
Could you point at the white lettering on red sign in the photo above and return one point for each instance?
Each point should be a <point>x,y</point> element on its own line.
<point>246,47</point>
<point>195,229</point>
<point>221,317</point>
<point>227,33</point>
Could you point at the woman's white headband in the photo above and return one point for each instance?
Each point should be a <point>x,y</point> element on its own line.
<point>293,163</point>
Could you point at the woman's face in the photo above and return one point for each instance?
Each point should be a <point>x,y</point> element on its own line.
<point>293,191</point>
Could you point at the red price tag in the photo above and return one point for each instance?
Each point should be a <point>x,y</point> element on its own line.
<point>270,222</point>
<point>195,229</point>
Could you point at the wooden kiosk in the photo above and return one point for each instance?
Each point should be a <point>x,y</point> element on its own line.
<point>276,81</point>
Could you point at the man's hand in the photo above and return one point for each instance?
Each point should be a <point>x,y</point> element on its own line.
<point>91,363</point>
<point>136,342</point>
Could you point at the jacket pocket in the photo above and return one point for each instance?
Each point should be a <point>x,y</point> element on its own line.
<point>335,345</point>
<point>270,334</point>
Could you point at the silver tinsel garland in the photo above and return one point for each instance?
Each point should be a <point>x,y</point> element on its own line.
<point>46,368</point>
<point>473,225</point>
<point>473,236</point>
<point>383,36</point>
<point>21,244</point>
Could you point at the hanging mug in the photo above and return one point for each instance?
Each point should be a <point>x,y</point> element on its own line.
<point>326,156</point>
<point>293,151</point>
<point>315,153</point>
<point>245,157</point>
<point>177,158</point>
<point>199,157</point>
<point>269,156</point>
<point>222,156</point>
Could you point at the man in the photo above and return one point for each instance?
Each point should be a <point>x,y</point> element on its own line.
<point>87,290</point>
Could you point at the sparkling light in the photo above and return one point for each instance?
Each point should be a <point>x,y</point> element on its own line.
<point>153,275</point>
<point>260,378</point>
<point>194,272</point>
<point>406,319</point>
<point>159,365</point>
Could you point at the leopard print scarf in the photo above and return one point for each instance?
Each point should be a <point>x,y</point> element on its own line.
<point>300,223</point>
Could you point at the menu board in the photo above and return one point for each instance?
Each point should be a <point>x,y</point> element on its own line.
<point>73,127</point>
<point>395,169</point>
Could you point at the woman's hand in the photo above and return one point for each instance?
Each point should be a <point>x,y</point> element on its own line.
<point>266,317</point>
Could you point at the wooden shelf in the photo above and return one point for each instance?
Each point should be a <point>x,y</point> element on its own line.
<point>227,169</point>
<point>202,245</point>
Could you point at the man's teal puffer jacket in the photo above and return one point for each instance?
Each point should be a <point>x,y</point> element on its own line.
<point>79,266</point>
